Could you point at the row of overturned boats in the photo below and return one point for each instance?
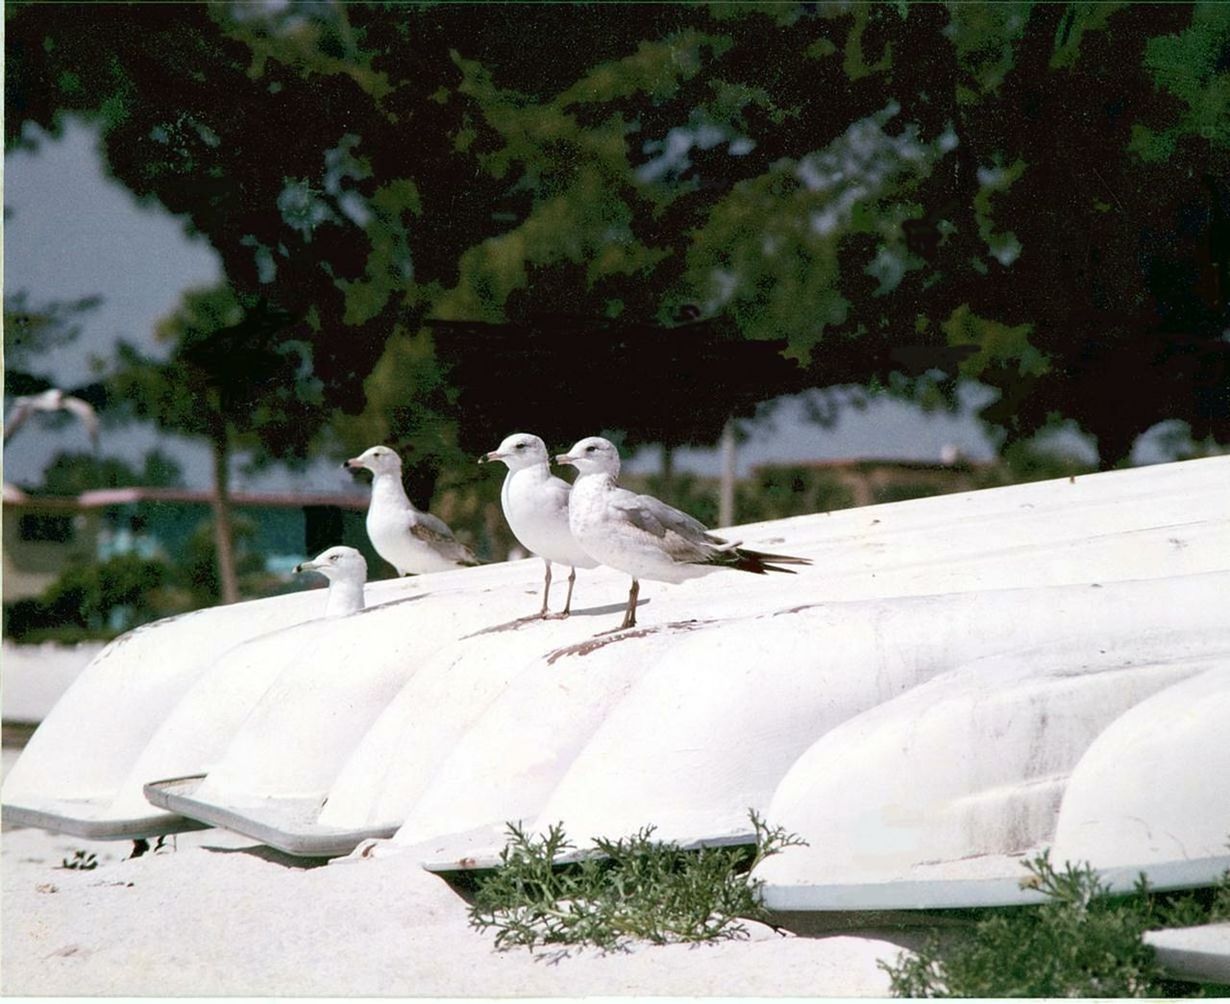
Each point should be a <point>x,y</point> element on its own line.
<point>956,684</point>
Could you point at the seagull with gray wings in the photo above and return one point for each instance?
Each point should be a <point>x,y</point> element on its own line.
<point>412,541</point>
<point>642,535</point>
<point>535,503</point>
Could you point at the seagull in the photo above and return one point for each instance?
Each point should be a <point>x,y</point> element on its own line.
<point>411,541</point>
<point>642,535</point>
<point>346,571</point>
<point>52,399</point>
<point>535,504</point>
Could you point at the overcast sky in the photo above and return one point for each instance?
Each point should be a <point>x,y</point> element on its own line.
<point>71,232</point>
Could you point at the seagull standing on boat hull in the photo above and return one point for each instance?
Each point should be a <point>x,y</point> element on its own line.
<point>535,503</point>
<point>642,535</point>
<point>411,541</point>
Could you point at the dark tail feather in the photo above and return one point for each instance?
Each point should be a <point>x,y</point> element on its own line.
<point>758,561</point>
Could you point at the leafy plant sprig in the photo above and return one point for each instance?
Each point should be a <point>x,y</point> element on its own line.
<point>1082,942</point>
<point>633,888</point>
<point>84,861</point>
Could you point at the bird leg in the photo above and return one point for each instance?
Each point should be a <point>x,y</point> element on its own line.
<point>630,613</point>
<point>572,577</point>
<point>546,589</point>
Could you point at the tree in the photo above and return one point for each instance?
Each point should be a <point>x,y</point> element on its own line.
<point>232,380</point>
<point>32,333</point>
<point>71,473</point>
<point>895,195</point>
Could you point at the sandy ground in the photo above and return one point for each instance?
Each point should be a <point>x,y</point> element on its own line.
<point>213,914</point>
<point>217,915</point>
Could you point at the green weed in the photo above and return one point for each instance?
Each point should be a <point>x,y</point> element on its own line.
<point>1082,942</point>
<point>637,889</point>
<point>80,861</point>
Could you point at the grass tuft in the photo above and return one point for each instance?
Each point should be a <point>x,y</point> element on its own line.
<point>80,861</point>
<point>1082,942</point>
<point>639,889</point>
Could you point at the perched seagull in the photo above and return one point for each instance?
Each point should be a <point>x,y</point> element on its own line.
<point>346,571</point>
<point>535,504</point>
<point>52,399</point>
<point>411,541</point>
<point>642,535</point>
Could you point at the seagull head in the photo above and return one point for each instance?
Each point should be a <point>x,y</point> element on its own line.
<point>594,455</point>
<point>377,459</point>
<point>518,451</point>
<point>337,564</point>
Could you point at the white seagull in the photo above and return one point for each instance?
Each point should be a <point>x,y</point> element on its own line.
<point>411,541</point>
<point>52,399</point>
<point>346,571</point>
<point>642,535</point>
<point>535,504</point>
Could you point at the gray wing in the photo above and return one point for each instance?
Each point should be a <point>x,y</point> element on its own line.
<point>84,411</point>
<point>22,409</point>
<point>684,538</point>
<point>434,531</point>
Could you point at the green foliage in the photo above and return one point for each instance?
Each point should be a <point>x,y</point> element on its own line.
<point>777,492</point>
<point>850,179</point>
<point>85,861</point>
<point>232,378</point>
<point>91,601</point>
<point>196,570</point>
<point>1190,64</point>
<point>1081,942</point>
<point>32,333</point>
<point>905,491</point>
<point>105,598</point>
<point>71,473</point>
<point>1032,461</point>
<point>687,491</point>
<point>638,889</point>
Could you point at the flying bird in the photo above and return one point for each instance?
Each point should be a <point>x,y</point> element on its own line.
<point>346,571</point>
<point>411,541</point>
<point>642,535</point>
<point>535,503</point>
<point>51,400</point>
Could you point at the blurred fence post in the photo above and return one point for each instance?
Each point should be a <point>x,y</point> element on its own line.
<point>726,498</point>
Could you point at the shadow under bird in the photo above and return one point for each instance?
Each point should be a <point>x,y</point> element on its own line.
<point>412,541</point>
<point>51,400</point>
<point>642,535</point>
<point>346,570</point>
<point>535,503</point>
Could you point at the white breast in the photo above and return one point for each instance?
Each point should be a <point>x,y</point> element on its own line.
<point>536,507</point>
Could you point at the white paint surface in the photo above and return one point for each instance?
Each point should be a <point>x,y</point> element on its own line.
<point>1155,785</point>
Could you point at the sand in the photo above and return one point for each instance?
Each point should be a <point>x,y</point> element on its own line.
<point>218,915</point>
<point>219,918</point>
<point>212,913</point>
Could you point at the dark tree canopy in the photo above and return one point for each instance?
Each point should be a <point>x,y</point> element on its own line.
<point>1031,195</point>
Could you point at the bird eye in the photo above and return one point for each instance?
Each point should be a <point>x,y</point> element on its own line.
<point>590,449</point>
<point>333,557</point>
<point>520,446</point>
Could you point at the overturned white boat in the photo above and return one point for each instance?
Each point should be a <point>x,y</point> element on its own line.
<point>922,705</point>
